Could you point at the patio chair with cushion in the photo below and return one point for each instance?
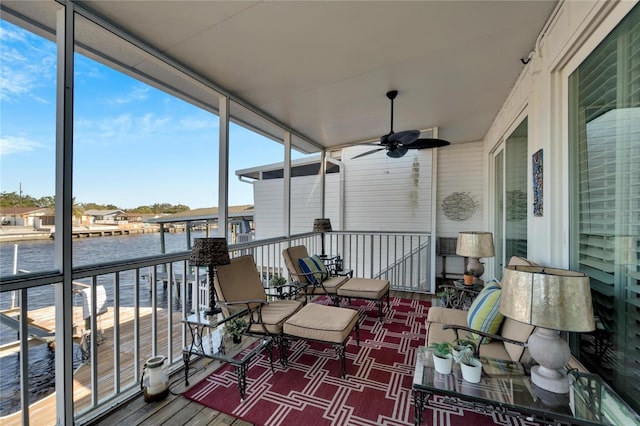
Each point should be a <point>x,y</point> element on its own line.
<point>238,283</point>
<point>319,279</point>
<point>310,269</point>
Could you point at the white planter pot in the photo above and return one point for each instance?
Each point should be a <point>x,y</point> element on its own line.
<point>443,365</point>
<point>472,373</point>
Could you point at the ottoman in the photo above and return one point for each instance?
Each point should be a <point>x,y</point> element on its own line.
<point>368,289</point>
<point>325,324</point>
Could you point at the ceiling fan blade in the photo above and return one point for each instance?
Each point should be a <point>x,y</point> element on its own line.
<point>427,143</point>
<point>406,137</point>
<point>398,152</point>
<point>367,153</point>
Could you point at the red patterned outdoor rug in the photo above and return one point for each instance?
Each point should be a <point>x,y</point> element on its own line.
<point>375,391</point>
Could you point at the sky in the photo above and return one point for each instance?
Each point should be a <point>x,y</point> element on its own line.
<point>134,145</point>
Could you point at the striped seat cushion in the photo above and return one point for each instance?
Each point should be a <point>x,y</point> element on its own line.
<point>314,269</point>
<point>484,313</point>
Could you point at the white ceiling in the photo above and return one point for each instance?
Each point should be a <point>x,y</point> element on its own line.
<point>323,68</point>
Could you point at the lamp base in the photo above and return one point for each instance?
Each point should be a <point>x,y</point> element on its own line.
<point>477,267</point>
<point>552,353</point>
<point>213,311</point>
<point>549,380</point>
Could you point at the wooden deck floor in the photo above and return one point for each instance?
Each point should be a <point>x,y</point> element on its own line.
<point>176,410</point>
<point>43,412</point>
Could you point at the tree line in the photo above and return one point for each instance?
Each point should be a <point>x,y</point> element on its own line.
<point>13,199</point>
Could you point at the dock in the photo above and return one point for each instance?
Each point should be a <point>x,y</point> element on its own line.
<point>43,412</point>
<point>25,233</point>
<point>88,233</point>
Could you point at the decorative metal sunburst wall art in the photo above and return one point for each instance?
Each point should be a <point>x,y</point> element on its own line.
<point>459,206</point>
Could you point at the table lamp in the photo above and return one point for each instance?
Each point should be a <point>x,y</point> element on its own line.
<point>474,245</point>
<point>550,299</point>
<point>210,252</point>
<point>322,225</point>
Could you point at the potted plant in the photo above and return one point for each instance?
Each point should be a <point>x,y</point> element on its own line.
<point>236,327</point>
<point>460,344</point>
<point>471,366</point>
<point>277,281</point>
<point>442,357</point>
<point>468,276</point>
<point>443,297</point>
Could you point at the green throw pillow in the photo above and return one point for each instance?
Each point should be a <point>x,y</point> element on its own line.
<point>484,313</point>
<point>314,269</point>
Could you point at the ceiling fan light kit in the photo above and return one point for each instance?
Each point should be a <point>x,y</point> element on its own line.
<point>398,144</point>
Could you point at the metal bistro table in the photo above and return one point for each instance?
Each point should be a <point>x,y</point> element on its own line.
<point>460,295</point>
<point>506,387</point>
<point>209,339</point>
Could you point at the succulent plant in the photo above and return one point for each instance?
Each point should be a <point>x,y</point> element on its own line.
<point>441,350</point>
<point>464,356</point>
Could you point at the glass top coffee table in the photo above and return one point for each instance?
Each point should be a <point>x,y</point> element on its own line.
<point>208,339</point>
<point>506,387</point>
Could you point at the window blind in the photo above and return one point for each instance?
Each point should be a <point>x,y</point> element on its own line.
<point>605,141</point>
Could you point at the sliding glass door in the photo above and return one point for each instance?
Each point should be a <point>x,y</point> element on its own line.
<point>510,204</point>
<point>604,107</point>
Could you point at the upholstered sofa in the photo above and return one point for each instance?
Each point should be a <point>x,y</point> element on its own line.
<point>509,342</point>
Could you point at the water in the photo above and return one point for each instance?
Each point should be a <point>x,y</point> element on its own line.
<point>36,256</point>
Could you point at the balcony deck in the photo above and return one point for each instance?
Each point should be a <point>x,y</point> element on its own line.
<point>108,379</point>
<point>176,410</point>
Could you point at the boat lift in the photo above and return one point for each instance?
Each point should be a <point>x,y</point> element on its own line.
<point>43,334</point>
<point>33,330</point>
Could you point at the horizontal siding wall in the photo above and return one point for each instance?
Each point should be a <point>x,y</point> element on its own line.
<point>390,195</point>
<point>305,204</point>
<point>333,203</point>
<point>387,194</point>
<point>460,169</point>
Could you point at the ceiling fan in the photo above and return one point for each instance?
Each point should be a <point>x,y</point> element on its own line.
<point>398,144</point>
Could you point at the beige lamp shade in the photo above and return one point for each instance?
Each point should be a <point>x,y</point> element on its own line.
<point>552,298</point>
<point>209,252</point>
<point>475,244</point>
<point>321,225</point>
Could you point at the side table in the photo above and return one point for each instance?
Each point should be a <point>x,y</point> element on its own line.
<point>343,273</point>
<point>290,290</point>
<point>209,339</point>
<point>459,295</point>
<point>335,266</point>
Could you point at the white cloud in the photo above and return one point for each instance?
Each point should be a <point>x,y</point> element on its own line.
<point>193,123</point>
<point>7,34</point>
<point>27,64</point>
<point>148,123</point>
<point>13,84</point>
<point>136,127</point>
<point>107,130</point>
<point>16,144</point>
<point>138,94</point>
